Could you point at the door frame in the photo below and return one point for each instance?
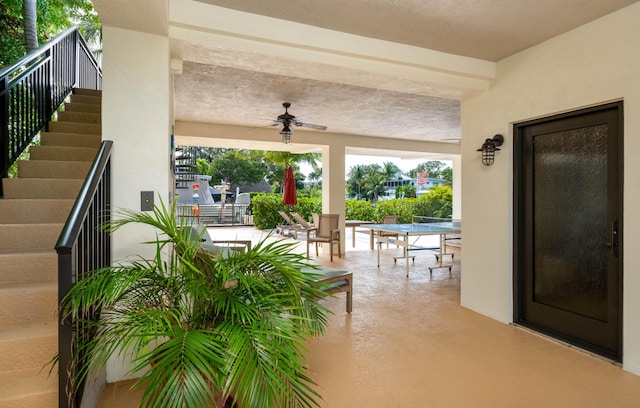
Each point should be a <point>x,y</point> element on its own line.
<point>520,242</point>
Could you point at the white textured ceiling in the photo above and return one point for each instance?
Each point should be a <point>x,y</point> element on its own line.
<point>485,29</point>
<point>362,67</point>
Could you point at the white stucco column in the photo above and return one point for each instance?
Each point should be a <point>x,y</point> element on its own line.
<point>136,115</point>
<point>136,106</point>
<point>456,187</point>
<point>333,192</point>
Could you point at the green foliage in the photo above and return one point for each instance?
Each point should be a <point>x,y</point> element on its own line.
<point>432,167</point>
<point>53,16</point>
<point>390,171</point>
<point>13,169</point>
<point>227,326</point>
<point>403,208</point>
<point>203,166</point>
<point>355,181</point>
<point>235,168</point>
<point>359,210</point>
<point>437,202</point>
<point>409,191</point>
<point>447,176</point>
<point>265,209</point>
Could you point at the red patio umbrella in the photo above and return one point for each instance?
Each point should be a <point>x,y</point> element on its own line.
<point>289,196</point>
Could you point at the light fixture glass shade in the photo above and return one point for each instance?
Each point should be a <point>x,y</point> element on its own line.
<point>286,135</point>
<point>489,149</point>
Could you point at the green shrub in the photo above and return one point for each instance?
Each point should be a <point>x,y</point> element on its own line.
<point>359,210</point>
<point>403,208</point>
<point>265,209</point>
<point>437,202</point>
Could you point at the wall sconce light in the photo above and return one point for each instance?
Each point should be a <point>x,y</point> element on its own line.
<point>489,148</point>
<point>286,134</point>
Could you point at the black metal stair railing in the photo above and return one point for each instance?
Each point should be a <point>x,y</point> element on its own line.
<point>33,88</point>
<point>83,246</point>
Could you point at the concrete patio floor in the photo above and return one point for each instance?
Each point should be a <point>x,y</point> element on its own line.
<point>409,343</point>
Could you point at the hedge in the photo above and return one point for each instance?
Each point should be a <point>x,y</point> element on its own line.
<point>437,202</point>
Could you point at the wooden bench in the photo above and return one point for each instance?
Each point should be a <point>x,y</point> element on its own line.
<point>336,281</point>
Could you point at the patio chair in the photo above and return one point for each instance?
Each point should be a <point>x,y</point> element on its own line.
<point>327,232</point>
<point>218,247</point>
<point>290,226</point>
<point>335,281</point>
<point>389,219</point>
<point>304,225</point>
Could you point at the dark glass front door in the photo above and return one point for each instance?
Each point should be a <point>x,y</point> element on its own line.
<point>568,227</point>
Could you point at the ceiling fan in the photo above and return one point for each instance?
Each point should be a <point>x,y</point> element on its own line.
<point>287,121</point>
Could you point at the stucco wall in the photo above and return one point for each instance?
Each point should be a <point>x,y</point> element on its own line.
<point>594,64</point>
<point>136,108</point>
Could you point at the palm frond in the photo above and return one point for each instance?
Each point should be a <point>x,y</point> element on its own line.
<point>203,327</point>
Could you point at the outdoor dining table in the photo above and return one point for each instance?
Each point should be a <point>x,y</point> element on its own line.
<point>353,224</point>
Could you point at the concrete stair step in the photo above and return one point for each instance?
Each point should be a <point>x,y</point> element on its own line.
<point>61,153</point>
<point>24,302</point>
<point>29,344</point>
<point>83,107</point>
<point>84,117</point>
<point>75,127</point>
<point>49,169</point>
<point>41,188</point>
<point>21,238</point>
<point>29,267</point>
<point>86,91</point>
<point>91,99</point>
<point>34,210</point>
<point>70,139</point>
<point>32,214</point>
<point>34,388</point>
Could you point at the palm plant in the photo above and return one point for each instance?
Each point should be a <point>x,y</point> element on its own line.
<point>208,329</point>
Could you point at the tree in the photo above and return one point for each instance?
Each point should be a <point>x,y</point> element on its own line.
<point>406,191</point>
<point>390,170</point>
<point>51,17</point>
<point>374,180</point>
<point>447,176</point>
<point>277,162</point>
<point>203,166</point>
<point>355,181</point>
<point>233,168</point>
<point>30,26</point>
<point>432,167</point>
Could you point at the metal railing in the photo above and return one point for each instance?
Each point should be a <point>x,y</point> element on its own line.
<point>83,246</point>
<point>36,85</point>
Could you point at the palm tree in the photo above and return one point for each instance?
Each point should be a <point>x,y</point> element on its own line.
<point>283,159</point>
<point>315,177</point>
<point>30,24</point>
<point>356,179</point>
<point>374,181</point>
<point>390,170</point>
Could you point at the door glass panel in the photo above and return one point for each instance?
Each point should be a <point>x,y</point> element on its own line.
<point>570,233</point>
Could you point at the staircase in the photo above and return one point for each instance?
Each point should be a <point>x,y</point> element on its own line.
<point>32,213</point>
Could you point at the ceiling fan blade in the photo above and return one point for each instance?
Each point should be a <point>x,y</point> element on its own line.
<point>311,125</point>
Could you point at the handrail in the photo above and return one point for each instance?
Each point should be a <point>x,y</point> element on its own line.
<point>32,89</point>
<point>82,246</point>
<point>36,53</point>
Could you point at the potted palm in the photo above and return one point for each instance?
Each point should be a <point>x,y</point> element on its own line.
<point>204,329</point>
